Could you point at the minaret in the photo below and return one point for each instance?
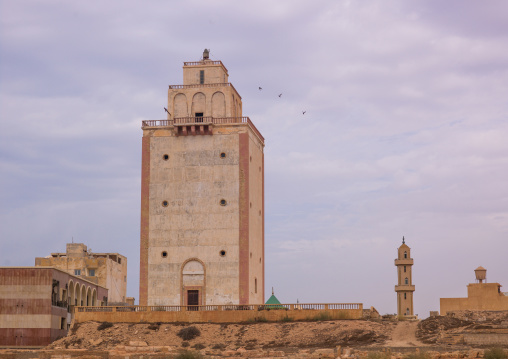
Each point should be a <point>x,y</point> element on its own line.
<point>405,287</point>
<point>202,196</point>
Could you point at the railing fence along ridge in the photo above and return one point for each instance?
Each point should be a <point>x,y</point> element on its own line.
<point>234,307</point>
<point>205,62</point>
<point>202,121</point>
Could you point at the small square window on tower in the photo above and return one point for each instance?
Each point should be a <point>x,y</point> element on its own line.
<point>202,76</point>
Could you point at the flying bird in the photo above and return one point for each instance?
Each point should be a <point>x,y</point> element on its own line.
<point>280,95</point>
<point>260,88</point>
<point>303,112</point>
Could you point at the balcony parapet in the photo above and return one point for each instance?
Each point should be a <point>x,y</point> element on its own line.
<point>404,288</point>
<point>407,261</point>
<point>202,121</point>
<point>221,84</point>
<point>204,63</point>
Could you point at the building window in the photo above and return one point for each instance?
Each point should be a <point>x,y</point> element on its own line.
<point>405,254</point>
<point>255,285</point>
<point>406,281</point>
<point>91,272</point>
<point>77,271</point>
<point>223,155</point>
<point>222,253</point>
<point>223,202</point>
<point>405,296</point>
<point>166,157</point>
<point>404,269</point>
<point>165,203</point>
<point>202,76</point>
<point>164,254</point>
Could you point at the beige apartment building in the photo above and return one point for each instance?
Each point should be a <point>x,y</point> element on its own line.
<point>108,270</point>
<point>202,196</point>
<point>405,287</point>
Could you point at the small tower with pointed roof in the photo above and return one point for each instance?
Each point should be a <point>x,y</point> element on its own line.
<point>405,287</point>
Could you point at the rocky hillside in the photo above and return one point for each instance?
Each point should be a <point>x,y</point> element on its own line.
<point>321,334</point>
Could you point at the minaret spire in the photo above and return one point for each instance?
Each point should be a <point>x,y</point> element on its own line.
<point>403,240</point>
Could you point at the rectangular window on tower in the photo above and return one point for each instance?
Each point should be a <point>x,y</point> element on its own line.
<point>202,76</point>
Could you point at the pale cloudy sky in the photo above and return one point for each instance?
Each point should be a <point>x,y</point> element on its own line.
<point>405,132</point>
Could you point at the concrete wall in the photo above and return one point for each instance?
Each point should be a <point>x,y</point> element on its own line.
<point>151,315</point>
<point>192,225</point>
<point>256,210</point>
<point>214,73</point>
<point>481,296</point>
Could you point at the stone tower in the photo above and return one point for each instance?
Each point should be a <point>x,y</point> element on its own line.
<point>405,287</point>
<point>202,196</point>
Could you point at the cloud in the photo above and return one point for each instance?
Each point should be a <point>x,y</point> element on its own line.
<point>404,132</point>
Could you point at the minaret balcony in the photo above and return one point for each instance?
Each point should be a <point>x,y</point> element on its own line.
<point>200,125</point>
<point>405,288</point>
<point>404,262</point>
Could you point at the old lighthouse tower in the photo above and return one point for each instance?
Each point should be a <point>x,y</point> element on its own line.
<point>202,196</point>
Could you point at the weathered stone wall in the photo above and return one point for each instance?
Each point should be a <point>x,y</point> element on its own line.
<point>256,221</point>
<point>486,339</point>
<point>194,225</point>
<point>225,316</point>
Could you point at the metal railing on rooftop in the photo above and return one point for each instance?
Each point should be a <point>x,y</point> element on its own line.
<point>201,308</point>
<point>205,62</point>
<point>202,120</point>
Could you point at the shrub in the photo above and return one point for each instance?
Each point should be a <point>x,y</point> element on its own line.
<point>104,325</point>
<point>495,353</point>
<point>199,346</point>
<point>189,355</point>
<point>189,333</point>
<point>154,326</point>
<point>185,344</point>
<point>219,346</point>
<point>378,355</point>
<point>287,319</point>
<point>417,356</point>
<point>75,328</point>
<point>322,316</point>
